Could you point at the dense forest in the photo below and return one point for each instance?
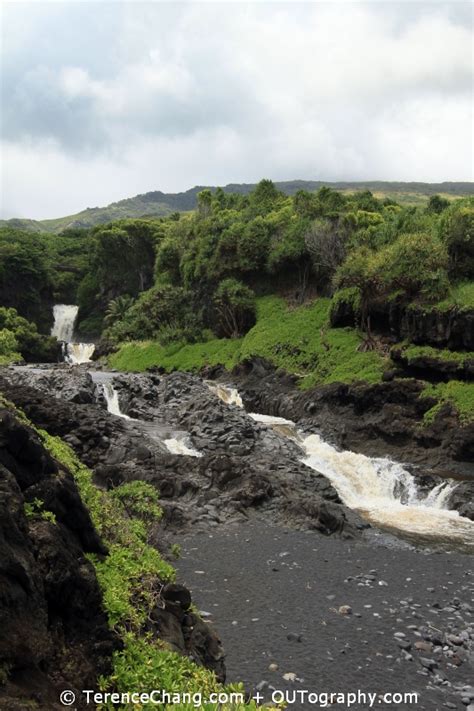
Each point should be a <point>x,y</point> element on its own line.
<point>324,284</point>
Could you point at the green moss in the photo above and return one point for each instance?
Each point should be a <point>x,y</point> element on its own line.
<point>298,340</point>
<point>301,342</point>
<point>458,393</point>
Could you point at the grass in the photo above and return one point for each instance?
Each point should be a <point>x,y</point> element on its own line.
<point>457,393</point>
<point>140,355</point>
<point>298,340</point>
<point>439,354</point>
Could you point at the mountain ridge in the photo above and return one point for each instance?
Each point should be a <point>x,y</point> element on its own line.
<point>159,204</point>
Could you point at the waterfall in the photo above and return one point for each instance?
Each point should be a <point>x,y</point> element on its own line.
<point>229,395</point>
<point>112,400</point>
<point>65,316</point>
<point>178,445</point>
<point>382,491</point>
<point>64,319</point>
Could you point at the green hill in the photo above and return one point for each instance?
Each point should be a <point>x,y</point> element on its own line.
<point>159,204</point>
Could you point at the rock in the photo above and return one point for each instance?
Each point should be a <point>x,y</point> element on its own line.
<point>273,667</point>
<point>345,610</point>
<point>429,664</point>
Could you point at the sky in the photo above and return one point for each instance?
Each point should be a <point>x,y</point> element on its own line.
<point>104,100</point>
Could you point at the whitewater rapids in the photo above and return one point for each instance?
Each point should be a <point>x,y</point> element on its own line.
<point>380,490</point>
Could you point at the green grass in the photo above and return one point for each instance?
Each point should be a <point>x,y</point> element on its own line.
<point>438,354</point>
<point>298,340</point>
<point>140,355</point>
<point>456,392</point>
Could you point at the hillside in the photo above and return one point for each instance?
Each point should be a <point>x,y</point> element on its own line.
<point>159,204</point>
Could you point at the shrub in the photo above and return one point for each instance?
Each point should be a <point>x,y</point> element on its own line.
<point>456,229</point>
<point>235,307</point>
<point>417,264</point>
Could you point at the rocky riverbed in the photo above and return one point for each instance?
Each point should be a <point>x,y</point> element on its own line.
<point>304,591</point>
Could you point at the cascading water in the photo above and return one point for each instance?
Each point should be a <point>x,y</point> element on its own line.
<point>387,495</point>
<point>380,490</point>
<point>112,400</point>
<point>64,319</point>
<point>229,395</point>
<point>65,316</point>
<point>176,445</point>
<point>179,445</point>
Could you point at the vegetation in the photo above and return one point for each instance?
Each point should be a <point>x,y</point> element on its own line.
<point>298,340</point>
<point>158,204</point>
<point>457,393</point>
<point>35,509</point>
<point>19,339</point>
<point>131,577</point>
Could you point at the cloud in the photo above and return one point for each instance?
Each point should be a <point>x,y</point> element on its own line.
<point>167,96</point>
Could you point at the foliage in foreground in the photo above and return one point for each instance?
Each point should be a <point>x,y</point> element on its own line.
<point>20,339</point>
<point>129,577</point>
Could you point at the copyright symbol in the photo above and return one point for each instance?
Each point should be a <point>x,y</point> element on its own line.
<point>67,698</point>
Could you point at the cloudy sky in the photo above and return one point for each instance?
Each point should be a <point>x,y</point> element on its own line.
<point>104,100</point>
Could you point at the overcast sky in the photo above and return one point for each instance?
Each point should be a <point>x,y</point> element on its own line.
<point>104,100</point>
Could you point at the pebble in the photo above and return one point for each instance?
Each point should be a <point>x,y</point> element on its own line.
<point>273,667</point>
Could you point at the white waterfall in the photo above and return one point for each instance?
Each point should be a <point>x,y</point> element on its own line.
<point>229,395</point>
<point>176,445</point>
<point>65,316</point>
<point>64,319</point>
<point>112,400</point>
<point>79,352</point>
<point>382,491</point>
<point>179,445</point>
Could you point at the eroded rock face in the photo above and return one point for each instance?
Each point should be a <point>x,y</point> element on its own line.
<point>54,631</point>
<point>453,328</point>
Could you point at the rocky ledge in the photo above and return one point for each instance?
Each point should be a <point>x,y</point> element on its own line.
<point>55,633</point>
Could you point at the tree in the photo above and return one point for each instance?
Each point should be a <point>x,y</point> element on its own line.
<point>204,201</point>
<point>415,264</point>
<point>264,197</point>
<point>326,243</point>
<point>437,204</point>
<point>117,309</point>
<point>359,271</point>
<point>235,306</point>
